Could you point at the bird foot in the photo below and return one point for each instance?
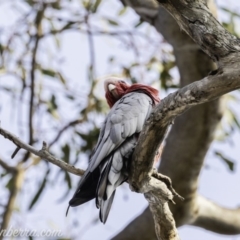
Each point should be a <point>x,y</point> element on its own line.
<point>167,181</point>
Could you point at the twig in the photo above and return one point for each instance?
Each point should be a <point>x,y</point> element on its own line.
<point>7,167</point>
<point>43,153</point>
<point>15,152</point>
<point>70,124</point>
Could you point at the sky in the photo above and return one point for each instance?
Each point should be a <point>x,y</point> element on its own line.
<point>215,183</point>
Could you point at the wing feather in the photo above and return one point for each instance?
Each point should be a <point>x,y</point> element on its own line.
<point>125,118</point>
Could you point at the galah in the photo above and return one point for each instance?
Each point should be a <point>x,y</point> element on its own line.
<point>130,107</point>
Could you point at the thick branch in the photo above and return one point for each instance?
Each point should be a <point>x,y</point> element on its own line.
<point>170,107</point>
<point>43,153</point>
<point>217,219</point>
<point>164,226</point>
<point>190,136</point>
<point>196,20</point>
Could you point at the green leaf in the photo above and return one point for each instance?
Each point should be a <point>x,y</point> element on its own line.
<point>67,178</point>
<point>96,5</point>
<point>49,72</point>
<point>112,22</point>
<point>40,190</point>
<point>29,2</point>
<point>10,183</point>
<point>230,12</point>
<point>235,120</point>
<point>139,23</point>
<point>56,5</point>
<point>122,11</point>
<point>165,77</point>
<point>52,107</point>
<point>86,4</point>
<point>66,153</point>
<point>62,79</point>
<point>2,48</point>
<point>230,163</point>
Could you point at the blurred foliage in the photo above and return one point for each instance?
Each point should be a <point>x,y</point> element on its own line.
<point>231,24</point>
<point>230,163</point>
<point>66,112</point>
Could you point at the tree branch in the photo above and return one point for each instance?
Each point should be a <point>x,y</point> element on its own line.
<point>14,188</point>
<point>196,20</point>
<point>215,218</point>
<point>66,127</point>
<point>169,108</point>
<point>38,23</point>
<point>164,226</point>
<point>43,153</point>
<point>7,167</point>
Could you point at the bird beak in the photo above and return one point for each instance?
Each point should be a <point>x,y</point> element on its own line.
<point>111,87</point>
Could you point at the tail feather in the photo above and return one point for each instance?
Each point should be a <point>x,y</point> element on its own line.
<point>86,190</point>
<point>105,208</point>
<point>102,184</point>
<point>106,189</point>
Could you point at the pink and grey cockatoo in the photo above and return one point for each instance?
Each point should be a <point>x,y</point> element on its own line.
<point>130,107</point>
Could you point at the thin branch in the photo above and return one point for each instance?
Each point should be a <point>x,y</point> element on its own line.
<point>15,152</point>
<point>38,22</point>
<point>7,167</point>
<point>66,127</point>
<point>43,153</point>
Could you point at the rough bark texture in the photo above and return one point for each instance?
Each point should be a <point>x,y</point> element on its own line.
<point>192,133</point>
<point>174,104</point>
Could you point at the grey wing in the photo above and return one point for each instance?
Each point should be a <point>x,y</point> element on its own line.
<point>115,145</point>
<point>126,118</point>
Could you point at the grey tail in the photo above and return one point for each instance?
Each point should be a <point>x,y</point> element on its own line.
<point>105,208</point>
<point>103,201</point>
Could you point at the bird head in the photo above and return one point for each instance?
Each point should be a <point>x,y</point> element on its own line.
<point>115,88</point>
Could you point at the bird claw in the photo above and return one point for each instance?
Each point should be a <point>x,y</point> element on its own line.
<point>168,183</point>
